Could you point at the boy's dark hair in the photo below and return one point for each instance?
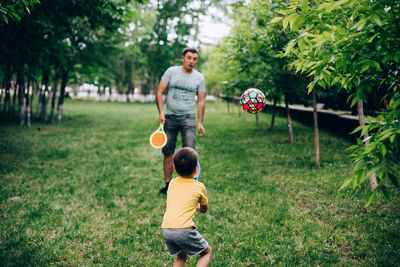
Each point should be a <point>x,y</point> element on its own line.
<point>191,50</point>
<point>185,161</point>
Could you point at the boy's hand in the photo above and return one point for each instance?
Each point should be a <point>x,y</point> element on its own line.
<point>202,208</point>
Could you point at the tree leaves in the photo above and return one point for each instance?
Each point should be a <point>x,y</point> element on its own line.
<point>352,45</point>
<point>370,197</point>
<point>15,10</point>
<point>275,20</point>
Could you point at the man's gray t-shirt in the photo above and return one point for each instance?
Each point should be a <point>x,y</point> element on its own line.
<point>182,90</point>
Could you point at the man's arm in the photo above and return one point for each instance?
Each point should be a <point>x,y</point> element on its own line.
<point>159,100</point>
<point>201,99</point>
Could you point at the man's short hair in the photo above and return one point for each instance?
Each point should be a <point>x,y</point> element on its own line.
<point>191,50</point>
<point>185,161</point>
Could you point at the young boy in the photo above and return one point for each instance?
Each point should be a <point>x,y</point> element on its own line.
<point>183,197</point>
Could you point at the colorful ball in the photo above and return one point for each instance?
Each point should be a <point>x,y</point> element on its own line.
<point>252,100</point>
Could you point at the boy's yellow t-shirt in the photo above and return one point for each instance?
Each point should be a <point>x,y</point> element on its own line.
<point>182,198</point>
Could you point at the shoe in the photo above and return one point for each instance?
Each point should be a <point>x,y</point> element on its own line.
<point>163,191</point>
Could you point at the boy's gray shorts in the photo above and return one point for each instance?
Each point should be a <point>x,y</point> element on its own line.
<point>186,125</point>
<point>188,240</point>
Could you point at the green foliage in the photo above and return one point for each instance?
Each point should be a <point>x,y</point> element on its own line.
<point>123,44</point>
<point>84,193</point>
<point>215,69</point>
<point>119,51</point>
<point>58,34</point>
<point>14,10</point>
<point>334,33</point>
<point>346,45</point>
<point>249,53</point>
<point>177,23</point>
<point>379,153</point>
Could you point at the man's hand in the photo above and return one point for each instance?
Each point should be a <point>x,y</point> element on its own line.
<point>201,129</point>
<point>161,119</point>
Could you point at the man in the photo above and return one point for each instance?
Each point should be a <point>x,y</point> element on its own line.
<point>184,83</point>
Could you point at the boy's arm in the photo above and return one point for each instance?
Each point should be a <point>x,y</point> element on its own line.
<point>202,208</point>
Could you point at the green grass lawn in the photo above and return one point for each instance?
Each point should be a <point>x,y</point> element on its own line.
<point>83,192</point>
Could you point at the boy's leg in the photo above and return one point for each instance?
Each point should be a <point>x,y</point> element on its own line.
<point>180,259</point>
<point>205,258</point>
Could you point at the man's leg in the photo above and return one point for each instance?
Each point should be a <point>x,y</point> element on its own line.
<point>168,170</point>
<point>189,132</point>
<point>168,167</point>
<point>171,128</point>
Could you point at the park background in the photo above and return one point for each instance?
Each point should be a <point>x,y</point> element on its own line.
<point>79,179</point>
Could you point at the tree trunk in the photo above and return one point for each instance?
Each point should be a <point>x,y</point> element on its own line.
<point>99,93</point>
<point>34,87</point>
<point>197,28</point>
<point>131,86</point>
<point>3,85</point>
<point>316,132</point>
<point>372,180</point>
<point>289,121</point>
<point>120,83</point>
<point>273,114</point>
<point>6,104</point>
<point>110,93</point>
<point>53,96</point>
<point>27,103</point>
<point>64,80</point>
<point>21,96</point>
<point>1,95</point>
<point>14,99</point>
<point>39,105</point>
<point>43,105</point>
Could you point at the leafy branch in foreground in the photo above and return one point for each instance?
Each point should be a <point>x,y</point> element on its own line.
<point>379,153</point>
<point>14,10</point>
<point>353,45</point>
